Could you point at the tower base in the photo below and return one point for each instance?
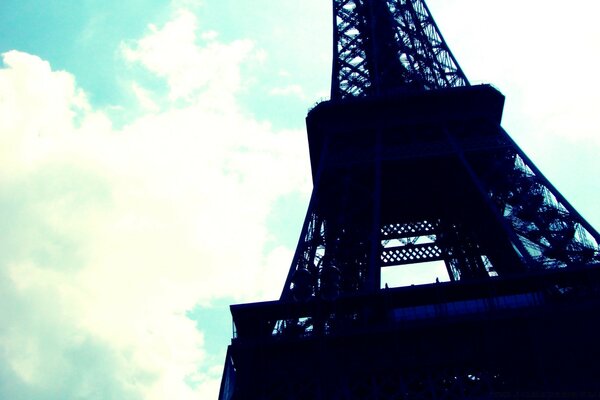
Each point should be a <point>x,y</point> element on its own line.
<point>532,336</point>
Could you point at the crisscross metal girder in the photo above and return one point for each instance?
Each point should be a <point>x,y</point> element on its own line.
<point>411,253</point>
<point>409,229</point>
<point>551,230</point>
<point>384,46</point>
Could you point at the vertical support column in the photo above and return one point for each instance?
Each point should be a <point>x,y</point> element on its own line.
<point>374,274</point>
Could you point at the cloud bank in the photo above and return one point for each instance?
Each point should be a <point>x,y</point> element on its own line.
<point>112,235</point>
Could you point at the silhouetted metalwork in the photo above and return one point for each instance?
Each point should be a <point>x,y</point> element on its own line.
<point>411,166</point>
<point>385,46</point>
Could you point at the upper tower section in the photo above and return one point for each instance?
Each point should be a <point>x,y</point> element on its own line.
<point>388,46</point>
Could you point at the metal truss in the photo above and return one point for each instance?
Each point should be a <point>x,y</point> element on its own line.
<point>412,174</point>
<point>336,253</point>
<point>551,231</point>
<point>411,253</point>
<point>384,46</point>
<point>332,255</point>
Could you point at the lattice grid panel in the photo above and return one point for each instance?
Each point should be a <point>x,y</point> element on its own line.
<point>411,254</point>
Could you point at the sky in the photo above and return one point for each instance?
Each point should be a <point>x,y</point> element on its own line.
<point>154,168</point>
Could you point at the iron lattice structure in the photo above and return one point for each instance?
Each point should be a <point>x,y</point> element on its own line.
<point>387,48</point>
<point>380,47</point>
<point>411,166</point>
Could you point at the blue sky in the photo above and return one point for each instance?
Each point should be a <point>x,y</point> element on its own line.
<point>154,169</point>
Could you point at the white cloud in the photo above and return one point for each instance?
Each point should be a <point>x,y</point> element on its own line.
<point>112,235</point>
<point>172,53</point>
<point>290,90</point>
<point>541,64</point>
<point>144,98</point>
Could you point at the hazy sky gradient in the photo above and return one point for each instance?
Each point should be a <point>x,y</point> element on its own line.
<point>154,168</point>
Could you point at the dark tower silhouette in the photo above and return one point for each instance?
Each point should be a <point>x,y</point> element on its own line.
<point>411,166</point>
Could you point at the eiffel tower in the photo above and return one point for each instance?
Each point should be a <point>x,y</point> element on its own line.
<point>416,181</point>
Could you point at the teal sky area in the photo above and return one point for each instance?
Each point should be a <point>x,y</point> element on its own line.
<point>154,169</point>
<point>84,38</point>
